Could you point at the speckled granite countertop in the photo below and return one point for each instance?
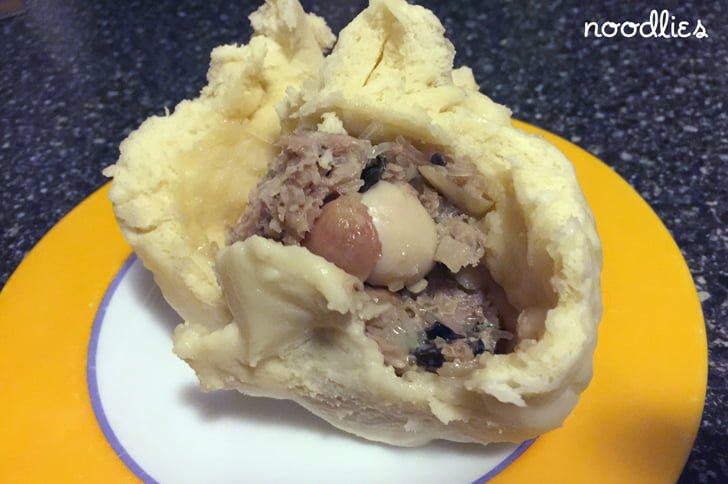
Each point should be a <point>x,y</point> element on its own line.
<point>77,77</point>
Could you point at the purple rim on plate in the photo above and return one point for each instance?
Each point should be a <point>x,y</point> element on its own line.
<point>126,458</point>
<point>93,384</point>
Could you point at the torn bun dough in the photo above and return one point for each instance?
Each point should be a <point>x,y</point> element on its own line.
<point>269,317</point>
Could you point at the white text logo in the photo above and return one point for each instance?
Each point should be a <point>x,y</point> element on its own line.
<point>660,24</point>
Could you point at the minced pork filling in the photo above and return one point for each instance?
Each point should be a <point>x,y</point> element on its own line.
<point>340,197</point>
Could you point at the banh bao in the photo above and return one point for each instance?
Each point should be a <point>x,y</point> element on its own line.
<point>366,234</point>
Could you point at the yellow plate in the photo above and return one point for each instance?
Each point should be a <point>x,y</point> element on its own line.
<point>636,422</point>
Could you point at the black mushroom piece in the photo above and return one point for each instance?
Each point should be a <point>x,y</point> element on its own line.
<point>331,197</point>
<point>429,356</point>
<point>438,159</point>
<point>440,330</point>
<point>372,172</point>
<point>477,347</point>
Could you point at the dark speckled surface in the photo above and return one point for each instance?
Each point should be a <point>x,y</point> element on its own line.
<point>76,77</point>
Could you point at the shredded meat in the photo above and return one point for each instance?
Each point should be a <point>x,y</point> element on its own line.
<point>453,306</point>
<point>444,324</point>
<point>311,167</point>
<point>461,242</point>
<point>403,162</point>
<point>397,328</point>
<point>315,167</point>
<point>448,324</point>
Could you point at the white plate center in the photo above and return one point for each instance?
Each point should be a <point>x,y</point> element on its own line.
<point>165,429</point>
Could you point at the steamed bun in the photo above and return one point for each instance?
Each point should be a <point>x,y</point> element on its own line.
<point>278,321</point>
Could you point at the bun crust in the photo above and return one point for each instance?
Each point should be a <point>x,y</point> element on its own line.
<point>278,321</point>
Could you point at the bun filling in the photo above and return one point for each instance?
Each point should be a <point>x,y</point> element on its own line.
<point>440,319</point>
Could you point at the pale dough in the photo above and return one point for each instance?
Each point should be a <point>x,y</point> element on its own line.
<point>183,179</point>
